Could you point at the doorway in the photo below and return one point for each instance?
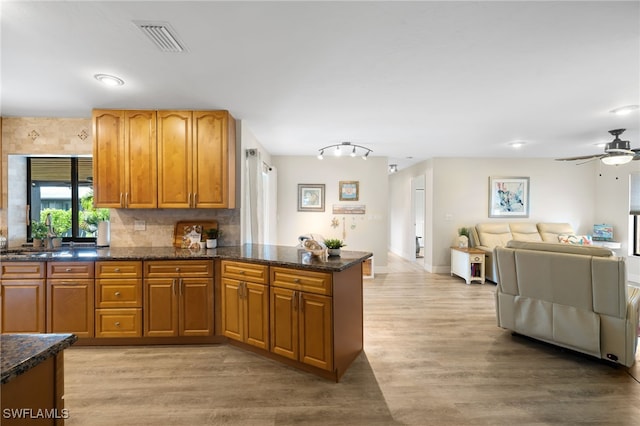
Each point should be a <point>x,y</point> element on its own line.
<point>418,204</point>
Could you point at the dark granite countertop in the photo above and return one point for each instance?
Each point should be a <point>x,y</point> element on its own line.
<point>257,253</point>
<point>21,352</point>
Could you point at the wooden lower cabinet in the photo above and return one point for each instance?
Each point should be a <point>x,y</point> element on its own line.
<point>245,302</point>
<point>22,297</point>
<point>70,298</point>
<point>180,303</point>
<point>70,306</point>
<point>245,312</point>
<point>118,299</point>
<point>301,327</point>
<point>23,306</point>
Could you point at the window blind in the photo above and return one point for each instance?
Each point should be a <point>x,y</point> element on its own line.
<point>634,194</point>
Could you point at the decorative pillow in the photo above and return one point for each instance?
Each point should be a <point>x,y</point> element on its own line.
<point>579,240</point>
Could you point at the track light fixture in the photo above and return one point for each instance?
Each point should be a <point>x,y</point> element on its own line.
<point>347,147</point>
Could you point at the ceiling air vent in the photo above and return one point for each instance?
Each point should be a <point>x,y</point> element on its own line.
<point>162,35</point>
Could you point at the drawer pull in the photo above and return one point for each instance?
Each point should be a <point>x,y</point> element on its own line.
<point>177,269</point>
<point>117,324</point>
<point>117,294</point>
<point>296,280</point>
<point>242,272</point>
<point>68,270</point>
<point>117,270</point>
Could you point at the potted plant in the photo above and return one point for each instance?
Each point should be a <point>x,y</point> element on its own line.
<point>212,237</point>
<point>333,246</point>
<point>463,237</point>
<point>38,232</point>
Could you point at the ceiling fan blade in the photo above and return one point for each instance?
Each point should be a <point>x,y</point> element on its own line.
<point>584,157</point>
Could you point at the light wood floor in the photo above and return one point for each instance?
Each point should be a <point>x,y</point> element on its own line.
<point>433,356</point>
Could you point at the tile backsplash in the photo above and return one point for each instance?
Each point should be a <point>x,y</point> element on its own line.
<point>160,223</point>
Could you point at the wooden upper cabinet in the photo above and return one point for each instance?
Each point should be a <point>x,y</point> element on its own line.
<point>196,159</point>
<point>174,159</point>
<point>214,159</point>
<point>108,162</point>
<point>124,159</point>
<point>140,165</point>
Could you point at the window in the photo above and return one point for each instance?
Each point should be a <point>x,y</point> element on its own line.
<point>634,209</point>
<point>63,187</point>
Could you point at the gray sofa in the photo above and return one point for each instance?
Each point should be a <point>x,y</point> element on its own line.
<point>488,236</point>
<point>572,296</point>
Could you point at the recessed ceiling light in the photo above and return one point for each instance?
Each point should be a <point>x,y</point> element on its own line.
<point>516,144</point>
<point>624,110</point>
<point>109,80</point>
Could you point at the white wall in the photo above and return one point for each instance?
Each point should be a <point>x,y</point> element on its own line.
<point>559,192</point>
<point>612,207</point>
<point>368,232</point>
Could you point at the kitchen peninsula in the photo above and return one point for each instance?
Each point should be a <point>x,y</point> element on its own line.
<point>32,377</point>
<point>280,302</point>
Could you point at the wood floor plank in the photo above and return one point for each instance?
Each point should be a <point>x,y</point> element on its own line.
<point>433,356</point>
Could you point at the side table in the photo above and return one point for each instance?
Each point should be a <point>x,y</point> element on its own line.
<point>467,263</point>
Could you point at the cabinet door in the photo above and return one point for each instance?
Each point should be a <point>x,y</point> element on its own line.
<point>316,340</point>
<point>211,159</point>
<point>256,305</point>
<point>22,306</point>
<point>175,159</point>
<point>70,306</point>
<point>232,310</point>
<point>284,322</point>
<point>108,160</point>
<point>160,307</point>
<point>140,160</point>
<point>196,306</point>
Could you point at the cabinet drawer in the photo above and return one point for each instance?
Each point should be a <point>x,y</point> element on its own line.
<point>17,270</point>
<point>178,268</point>
<point>119,322</point>
<point>70,269</point>
<point>296,279</point>
<point>125,293</point>
<point>119,269</point>
<point>243,271</point>
<point>476,258</point>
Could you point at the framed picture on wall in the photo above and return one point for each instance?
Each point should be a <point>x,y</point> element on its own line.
<point>310,197</point>
<point>508,196</point>
<point>349,190</point>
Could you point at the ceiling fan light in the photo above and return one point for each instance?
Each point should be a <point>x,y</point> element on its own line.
<point>624,110</point>
<point>616,159</point>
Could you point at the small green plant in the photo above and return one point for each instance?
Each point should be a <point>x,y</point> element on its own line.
<point>463,231</point>
<point>334,243</point>
<point>38,230</point>
<point>213,233</point>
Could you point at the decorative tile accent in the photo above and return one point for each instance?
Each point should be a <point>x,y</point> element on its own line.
<point>83,134</point>
<point>33,135</point>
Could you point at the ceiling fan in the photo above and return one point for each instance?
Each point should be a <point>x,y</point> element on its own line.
<point>615,152</point>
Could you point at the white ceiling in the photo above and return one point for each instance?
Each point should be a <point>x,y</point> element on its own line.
<point>406,79</point>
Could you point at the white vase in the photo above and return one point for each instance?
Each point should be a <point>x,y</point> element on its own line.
<point>333,252</point>
<point>212,243</point>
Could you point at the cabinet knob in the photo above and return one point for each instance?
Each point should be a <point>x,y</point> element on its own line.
<point>117,324</point>
<point>177,269</point>
<point>117,269</point>
<point>117,294</point>
<point>68,270</point>
<point>241,272</point>
<point>296,280</point>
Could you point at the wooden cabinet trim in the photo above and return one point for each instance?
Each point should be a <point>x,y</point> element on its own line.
<point>70,270</point>
<point>118,269</point>
<point>296,279</point>
<point>21,270</point>
<point>245,271</point>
